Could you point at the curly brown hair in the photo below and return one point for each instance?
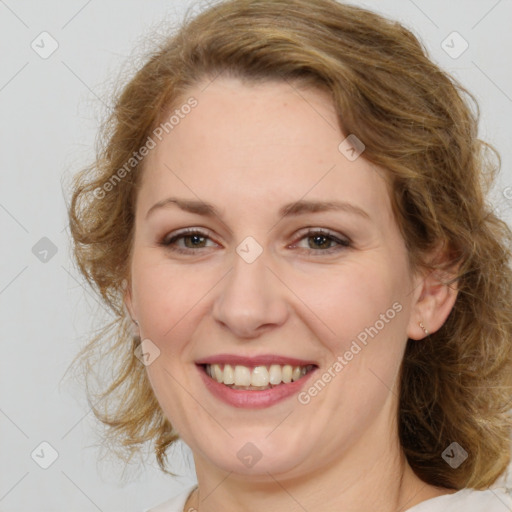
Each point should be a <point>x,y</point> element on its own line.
<point>418,124</point>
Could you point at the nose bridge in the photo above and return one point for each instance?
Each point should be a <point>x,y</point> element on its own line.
<point>251,297</point>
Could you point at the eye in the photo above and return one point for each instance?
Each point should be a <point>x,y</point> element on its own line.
<point>323,241</point>
<point>191,238</point>
<point>319,241</point>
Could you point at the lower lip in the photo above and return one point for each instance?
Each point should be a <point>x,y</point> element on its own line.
<point>253,399</point>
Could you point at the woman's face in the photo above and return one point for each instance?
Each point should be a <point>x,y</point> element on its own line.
<point>296,260</point>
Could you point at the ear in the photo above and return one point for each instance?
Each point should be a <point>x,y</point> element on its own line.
<point>128,304</point>
<point>435,296</point>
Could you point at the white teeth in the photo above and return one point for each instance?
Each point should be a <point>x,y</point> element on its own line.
<point>218,373</point>
<point>242,376</point>
<point>286,373</point>
<point>260,376</point>
<point>229,374</point>
<point>275,374</point>
<point>256,377</point>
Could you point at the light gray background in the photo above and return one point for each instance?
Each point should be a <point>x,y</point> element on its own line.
<point>50,110</point>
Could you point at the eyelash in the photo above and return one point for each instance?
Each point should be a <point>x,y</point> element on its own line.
<point>343,243</point>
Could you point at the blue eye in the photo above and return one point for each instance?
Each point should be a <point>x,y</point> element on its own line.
<point>319,241</point>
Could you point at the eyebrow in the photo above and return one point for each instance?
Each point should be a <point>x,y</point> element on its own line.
<point>292,209</point>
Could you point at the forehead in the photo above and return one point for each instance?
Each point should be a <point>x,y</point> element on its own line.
<point>266,141</point>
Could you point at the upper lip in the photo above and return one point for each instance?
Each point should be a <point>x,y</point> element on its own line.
<point>261,360</point>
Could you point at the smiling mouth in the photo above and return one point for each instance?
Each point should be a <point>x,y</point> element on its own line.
<point>256,378</point>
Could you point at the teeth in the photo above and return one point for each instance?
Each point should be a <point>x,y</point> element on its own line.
<point>229,374</point>
<point>275,374</point>
<point>296,373</point>
<point>218,373</point>
<point>242,376</point>
<point>286,373</point>
<point>256,377</point>
<point>260,376</point>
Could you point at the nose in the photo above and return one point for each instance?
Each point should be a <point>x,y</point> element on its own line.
<point>251,299</point>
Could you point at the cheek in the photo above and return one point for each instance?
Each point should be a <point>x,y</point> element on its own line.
<point>166,296</point>
<point>364,307</point>
<point>353,297</point>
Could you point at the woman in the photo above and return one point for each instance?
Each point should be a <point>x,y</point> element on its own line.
<point>289,212</point>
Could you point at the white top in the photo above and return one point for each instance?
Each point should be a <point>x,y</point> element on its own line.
<point>466,500</point>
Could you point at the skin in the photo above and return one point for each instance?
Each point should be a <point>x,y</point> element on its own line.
<point>250,149</point>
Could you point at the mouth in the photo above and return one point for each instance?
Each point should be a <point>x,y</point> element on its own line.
<point>256,377</point>
<point>254,382</point>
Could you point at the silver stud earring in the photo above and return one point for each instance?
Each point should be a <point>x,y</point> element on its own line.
<point>425,330</point>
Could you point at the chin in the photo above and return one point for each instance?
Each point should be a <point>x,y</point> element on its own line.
<point>258,468</point>
<point>255,455</point>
